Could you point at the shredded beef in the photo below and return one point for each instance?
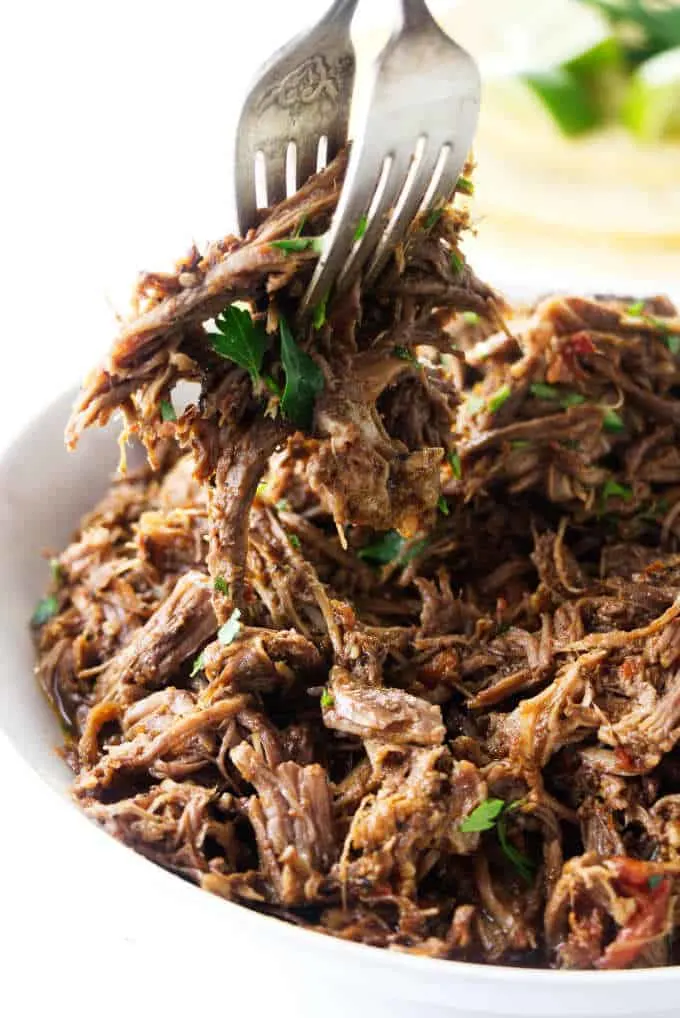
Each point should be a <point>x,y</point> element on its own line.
<point>389,647</point>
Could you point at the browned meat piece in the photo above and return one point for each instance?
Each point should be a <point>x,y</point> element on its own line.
<point>374,713</point>
<point>292,819</point>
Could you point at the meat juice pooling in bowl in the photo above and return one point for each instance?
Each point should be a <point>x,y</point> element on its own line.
<point>42,490</point>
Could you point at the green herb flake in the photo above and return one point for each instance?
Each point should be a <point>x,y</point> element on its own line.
<point>167,411</point>
<point>443,506</point>
<point>572,399</point>
<point>433,216</point>
<point>239,339</point>
<point>300,226</point>
<point>386,549</point>
<point>541,390</point>
<point>654,881</point>
<point>673,344</point>
<point>413,551</point>
<point>520,861</point>
<point>520,443</point>
<point>471,318</point>
<point>404,354</point>
<point>483,817</point>
<point>45,610</point>
<point>636,309</point>
<point>304,380</point>
<point>283,505</point>
<point>327,699</point>
<point>294,541</point>
<point>221,585</point>
<point>294,244</point>
<point>227,633</point>
<point>612,421</point>
<point>612,489</point>
<point>457,263</point>
<point>319,313</point>
<point>456,465</point>
<point>272,385</point>
<point>498,398</point>
<point>198,665</point>
<point>57,571</point>
<point>465,186</point>
<point>361,228</point>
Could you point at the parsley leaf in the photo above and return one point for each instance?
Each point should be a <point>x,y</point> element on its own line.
<point>483,817</point>
<point>498,398</point>
<point>198,665</point>
<point>227,633</point>
<point>404,354</point>
<point>465,186</point>
<point>292,244</point>
<point>240,340</point>
<point>319,313</point>
<point>385,549</point>
<point>673,344</point>
<point>45,610</point>
<point>443,506</point>
<point>361,227</point>
<point>520,861</point>
<point>456,465</point>
<point>221,585</point>
<point>636,309</point>
<point>572,399</point>
<point>471,318</point>
<point>544,391</point>
<point>612,489</point>
<point>457,263</point>
<point>294,541</point>
<point>304,380</point>
<point>433,216</point>
<point>327,698</point>
<point>167,411</point>
<point>612,421</point>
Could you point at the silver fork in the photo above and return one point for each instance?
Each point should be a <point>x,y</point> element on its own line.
<point>296,115</point>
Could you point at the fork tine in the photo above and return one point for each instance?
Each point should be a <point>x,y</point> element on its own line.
<point>276,176</point>
<point>307,149</point>
<point>359,187</point>
<point>387,197</point>
<point>405,212</point>
<point>246,199</point>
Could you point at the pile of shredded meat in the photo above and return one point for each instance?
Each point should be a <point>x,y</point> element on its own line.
<point>385,640</point>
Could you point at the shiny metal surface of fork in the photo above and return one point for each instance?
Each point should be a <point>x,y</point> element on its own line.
<point>301,95</point>
<point>413,136</point>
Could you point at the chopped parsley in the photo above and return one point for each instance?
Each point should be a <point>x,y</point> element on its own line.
<point>304,380</point>
<point>433,216</point>
<point>319,313</point>
<point>636,309</point>
<point>198,665</point>
<point>283,505</point>
<point>294,541</point>
<point>456,465</point>
<point>572,399</point>
<point>240,339</point>
<point>457,263</point>
<point>361,228</point>
<point>45,610</point>
<point>520,443</point>
<point>654,880</point>
<point>492,813</point>
<point>167,411</point>
<point>57,571</point>
<point>498,398</point>
<point>227,633</point>
<point>541,390</point>
<point>673,344</point>
<point>471,318</point>
<point>483,817</point>
<point>293,244</point>
<point>392,547</point>
<point>612,421</point>
<point>443,506</point>
<point>612,489</point>
<point>327,698</point>
<point>465,185</point>
<point>221,585</point>
<point>404,354</point>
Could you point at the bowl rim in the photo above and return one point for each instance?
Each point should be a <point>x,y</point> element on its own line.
<point>363,958</point>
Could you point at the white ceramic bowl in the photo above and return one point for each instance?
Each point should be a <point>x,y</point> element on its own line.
<point>43,493</point>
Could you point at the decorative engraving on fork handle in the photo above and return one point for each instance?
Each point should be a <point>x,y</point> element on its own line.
<point>316,80</point>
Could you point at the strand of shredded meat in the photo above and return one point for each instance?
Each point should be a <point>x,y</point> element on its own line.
<point>408,673</point>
